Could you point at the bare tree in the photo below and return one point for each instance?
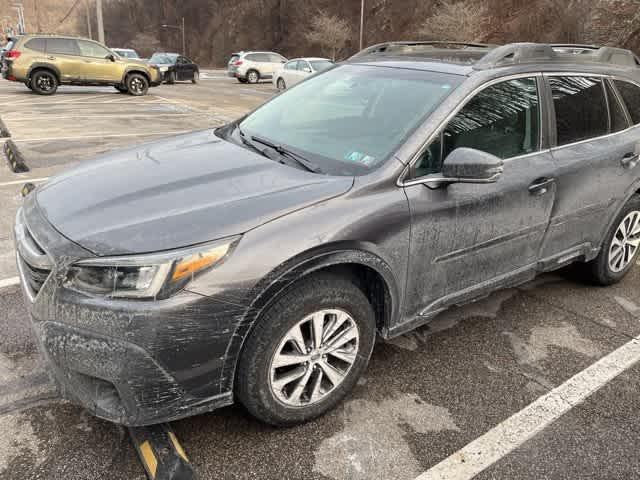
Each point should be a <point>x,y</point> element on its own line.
<point>456,21</point>
<point>330,32</point>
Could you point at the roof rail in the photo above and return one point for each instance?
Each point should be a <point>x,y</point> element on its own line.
<point>399,46</point>
<point>518,53</point>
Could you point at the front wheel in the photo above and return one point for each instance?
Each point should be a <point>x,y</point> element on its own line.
<point>280,84</point>
<point>196,77</point>
<point>137,84</point>
<point>620,248</point>
<point>307,351</point>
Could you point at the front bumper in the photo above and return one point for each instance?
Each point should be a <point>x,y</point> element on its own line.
<point>133,362</point>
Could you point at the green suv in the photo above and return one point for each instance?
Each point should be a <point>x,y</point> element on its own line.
<point>42,62</point>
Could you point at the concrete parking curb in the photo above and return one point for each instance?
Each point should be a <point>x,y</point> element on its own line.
<point>161,454</point>
<point>14,157</point>
<point>4,131</point>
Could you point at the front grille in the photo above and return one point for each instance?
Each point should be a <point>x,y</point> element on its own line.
<point>34,277</point>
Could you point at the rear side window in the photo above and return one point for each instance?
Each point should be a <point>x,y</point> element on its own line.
<point>581,108</point>
<point>630,93</point>
<point>36,44</point>
<point>618,118</point>
<point>62,46</point>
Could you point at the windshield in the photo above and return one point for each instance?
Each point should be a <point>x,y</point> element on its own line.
<point>163,58</point>
<point>352,118</point>
<point>320,65</point>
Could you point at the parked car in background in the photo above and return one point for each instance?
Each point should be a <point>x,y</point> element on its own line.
<point>174,67</point>
<point>42,62</point>
<point>251,67</point>
<point>258,262</point>
<point>298,69</point>
<point>126,53</point>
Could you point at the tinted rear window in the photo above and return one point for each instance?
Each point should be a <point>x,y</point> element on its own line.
<point>631,95</point>
<point>37,44</point>
<point>581,108</point>
<point>234,58</point>
<point>62,46</point>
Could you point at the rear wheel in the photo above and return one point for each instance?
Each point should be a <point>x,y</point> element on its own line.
<point>196,77</point>
<point>44,82</point>
<point>253,76</point>
<point>620,248</point>
<point>281,85</point>
<point>137,84</point>
<point>307,351</point>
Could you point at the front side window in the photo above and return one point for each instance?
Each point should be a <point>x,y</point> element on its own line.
<point>90,49</point>
<point>62,46</point>
<point>354,116</point>
<point>630,93</point>
<point>503,119</point>
<point>581,108</point>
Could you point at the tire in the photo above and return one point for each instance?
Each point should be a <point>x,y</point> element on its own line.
<point>137,84</point>
<point>253,76</point>
<point>121,89</point>
<point>281,85</point>
<point>242,80</point>
<point>196,77</point>
<point>171,78</point>
<point>332,295</point>
<point>44,82</point>
<point>609,266</point>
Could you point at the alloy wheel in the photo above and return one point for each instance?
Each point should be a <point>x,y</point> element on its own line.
<point>625,242</point>
<point>314,357</point>
<point>44,83</point>
<point>281,84</point>
<point>253,77</point>
<point>136,85</point>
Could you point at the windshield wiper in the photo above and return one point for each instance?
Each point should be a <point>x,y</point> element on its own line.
<point>246,142</point>
<point>306,163</point>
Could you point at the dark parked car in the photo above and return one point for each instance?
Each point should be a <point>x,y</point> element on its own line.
<point>175,67</point>
<point>258,262</point>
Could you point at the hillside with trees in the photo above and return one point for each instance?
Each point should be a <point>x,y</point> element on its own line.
<point>215,28</point>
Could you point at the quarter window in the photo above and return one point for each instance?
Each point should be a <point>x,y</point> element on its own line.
<point>502,119</point>
<point>631,95</point>
<point>62,46</point>
<point>90,49</point>
<point>581,108</point>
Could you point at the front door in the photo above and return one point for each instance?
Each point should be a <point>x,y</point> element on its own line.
<point>467,238</point>
<point>597,155</point>
<point>95,65</point>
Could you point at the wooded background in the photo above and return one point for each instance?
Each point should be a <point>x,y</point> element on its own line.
<point>215,28</point>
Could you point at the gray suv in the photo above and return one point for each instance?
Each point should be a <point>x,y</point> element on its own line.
<point>260,261</point>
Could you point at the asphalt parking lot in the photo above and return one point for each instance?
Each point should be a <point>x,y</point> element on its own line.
<point>536,382</point>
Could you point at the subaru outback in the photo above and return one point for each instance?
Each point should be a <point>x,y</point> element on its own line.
<point>258,262</point>
<point>43,62</point>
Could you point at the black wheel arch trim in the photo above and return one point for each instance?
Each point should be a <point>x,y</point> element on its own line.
<point>634,189</point>
<point>287,274</point>
<point>45,66</point>
<point>130,70</point>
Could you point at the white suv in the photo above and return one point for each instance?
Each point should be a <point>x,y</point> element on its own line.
<point>252,67</point>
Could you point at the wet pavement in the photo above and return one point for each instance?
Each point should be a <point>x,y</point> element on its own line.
<point>424,397</point>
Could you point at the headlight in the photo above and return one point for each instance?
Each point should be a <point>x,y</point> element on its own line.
<point>146,276</point>
<point>164,69</point>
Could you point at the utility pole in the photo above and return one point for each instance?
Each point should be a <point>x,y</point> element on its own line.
<point>361,23</point>
<point>184,44</point>
<point>100,23</point>
<point>88,14</point>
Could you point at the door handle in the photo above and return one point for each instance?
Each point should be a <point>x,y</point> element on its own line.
<point>630,160</point>
<point>540,186</point>
<point>51,57</point>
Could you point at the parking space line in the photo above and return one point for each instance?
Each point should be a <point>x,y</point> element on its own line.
<point>115,135</point>
<point>25,180</point>
<point>8,282</point>
<point>110,95</point>
<point>498,442</point>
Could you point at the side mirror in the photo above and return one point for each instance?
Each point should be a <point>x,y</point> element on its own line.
<point>468,165</point>
<point>111,57</point>
<point>306,69</point>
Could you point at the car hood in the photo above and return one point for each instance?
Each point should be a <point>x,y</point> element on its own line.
<point>135,61</point>
<point>174,193</point>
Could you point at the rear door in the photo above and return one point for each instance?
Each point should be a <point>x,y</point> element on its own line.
<point>596,153</point>
<point>275,62</point>
<point>65,55</point>
<point>467,238</point>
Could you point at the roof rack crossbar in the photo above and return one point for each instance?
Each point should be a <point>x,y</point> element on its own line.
<point>517,53</point>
